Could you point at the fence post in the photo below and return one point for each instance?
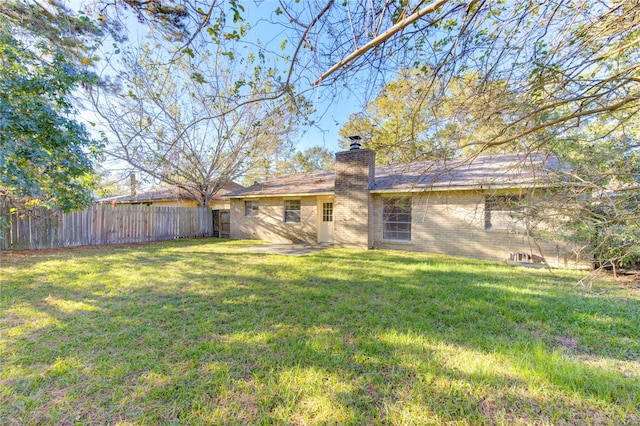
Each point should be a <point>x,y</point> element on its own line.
<point>4,222</point>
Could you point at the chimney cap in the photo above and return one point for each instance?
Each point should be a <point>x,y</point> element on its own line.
<point>355,142</point>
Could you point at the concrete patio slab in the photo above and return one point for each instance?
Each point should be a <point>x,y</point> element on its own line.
<point>289,249</point>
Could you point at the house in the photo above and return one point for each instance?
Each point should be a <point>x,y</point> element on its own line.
<point>463,207</point>
<point>172,196</point>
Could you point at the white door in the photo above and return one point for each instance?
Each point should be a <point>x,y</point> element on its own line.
<point>325,220</point>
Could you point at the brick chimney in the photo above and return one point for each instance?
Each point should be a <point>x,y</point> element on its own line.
<point>355,170</point>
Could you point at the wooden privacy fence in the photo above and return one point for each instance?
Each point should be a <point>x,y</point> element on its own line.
<point>101,224</point>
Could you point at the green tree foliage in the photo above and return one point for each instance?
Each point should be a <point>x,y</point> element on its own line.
<point>414,118</point>
<point>599,205</point>
<point>54,27</point>
<point>394,124</point>
<point>44,153</point>
<point>287,160</point>
<point>308,160</point>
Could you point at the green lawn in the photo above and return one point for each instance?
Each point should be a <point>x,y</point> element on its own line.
<point>201,332</point>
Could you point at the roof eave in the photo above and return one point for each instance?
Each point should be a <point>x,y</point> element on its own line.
<point>455,188</point>
<point>280,195</point>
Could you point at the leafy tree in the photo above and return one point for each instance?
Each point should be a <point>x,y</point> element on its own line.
<point>309,160</point>
<point>191,121</point>
<point>288,160</point>
<point>599,204</point>
<point>394,124</point>
<point>564,61</point>
<point>52,27</point>
<point>44,153</point>
<point>412,118</point>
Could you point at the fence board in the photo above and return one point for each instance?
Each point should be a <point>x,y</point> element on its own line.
<point>38,228</point>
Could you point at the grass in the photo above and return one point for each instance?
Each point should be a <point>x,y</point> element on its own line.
<point>202,332</point>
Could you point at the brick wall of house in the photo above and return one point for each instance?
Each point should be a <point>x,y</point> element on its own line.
<point>453,223</point>
<point>352,204</point>
<point>269,225</point>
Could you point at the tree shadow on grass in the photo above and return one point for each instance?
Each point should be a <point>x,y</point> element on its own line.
<point>337,337</point>
<point>134,250</point>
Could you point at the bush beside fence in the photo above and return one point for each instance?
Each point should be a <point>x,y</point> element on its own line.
<point>101,224</point>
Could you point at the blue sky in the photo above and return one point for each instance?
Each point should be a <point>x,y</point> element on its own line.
<point>330,116</point>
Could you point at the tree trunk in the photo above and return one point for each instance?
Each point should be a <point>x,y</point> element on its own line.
<point>206,200</point>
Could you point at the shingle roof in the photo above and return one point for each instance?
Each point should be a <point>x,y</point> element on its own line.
<point>506,170</point>
<point>322,181</point>
<point>169,193</point>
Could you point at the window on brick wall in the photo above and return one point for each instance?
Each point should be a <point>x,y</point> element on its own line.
<point>292,211</point>
<point>504,212</point>
<point>251,208</point>
<point>396,219</point>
